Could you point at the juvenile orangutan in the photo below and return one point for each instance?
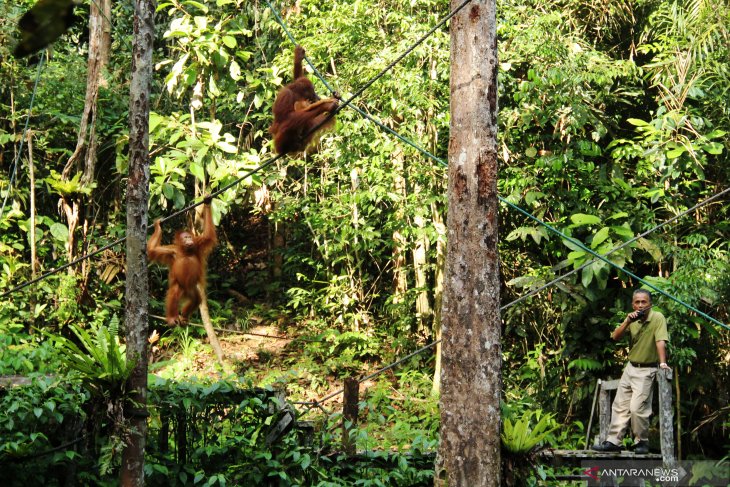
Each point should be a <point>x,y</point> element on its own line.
<point>187,260</point>
<point>299,114</point>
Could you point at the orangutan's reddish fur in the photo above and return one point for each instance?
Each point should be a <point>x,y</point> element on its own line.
<point>299,114</point>
<point>187,260</point>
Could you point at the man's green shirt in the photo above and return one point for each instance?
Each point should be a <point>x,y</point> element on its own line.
<point>644,335</point>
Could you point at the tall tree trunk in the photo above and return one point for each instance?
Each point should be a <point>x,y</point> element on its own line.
<point>86,143</point>
<point>132,472</point>
<point>424,312</point>
<point>438,290</point>
<point>469,451</point>
<point>400,274</point>
<point>33,257</point>
<point>99,44</point>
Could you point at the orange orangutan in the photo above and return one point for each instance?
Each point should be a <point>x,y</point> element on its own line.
<point>299,114</point>
<point>187,260</point>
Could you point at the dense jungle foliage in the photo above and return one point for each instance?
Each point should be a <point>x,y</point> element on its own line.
<point>613,118</point>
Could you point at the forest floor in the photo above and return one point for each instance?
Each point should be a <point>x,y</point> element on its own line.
<point>263,353</point>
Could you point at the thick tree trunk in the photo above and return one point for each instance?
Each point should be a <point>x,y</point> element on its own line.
<point>471,327</point>
<point>132,472</point>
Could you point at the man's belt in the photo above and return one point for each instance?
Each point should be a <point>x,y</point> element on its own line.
<point>637,364</point>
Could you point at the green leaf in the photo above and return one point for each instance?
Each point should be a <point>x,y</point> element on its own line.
<point>583,219</point>
<point>226,147</point>
<point>199,5</point>
<point>600,236</point>
<point>230,41</point>
<point>59,231</point>
<point>637,122</point>
<point>617,216</point>
<point>197,171</point>
<point>235,71</point>
<point>587,275</point>
<point>715,148</point>
<point>650,247</point>
<point>676,152</point>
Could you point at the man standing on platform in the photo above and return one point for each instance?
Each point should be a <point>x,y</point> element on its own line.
<point>632,403</point>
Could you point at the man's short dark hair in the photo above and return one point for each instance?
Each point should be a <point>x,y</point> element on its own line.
<point>642,291</point>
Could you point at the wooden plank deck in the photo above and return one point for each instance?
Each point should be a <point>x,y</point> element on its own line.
<point>560,458</point>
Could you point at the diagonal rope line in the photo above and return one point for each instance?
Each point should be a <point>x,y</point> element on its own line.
<point>604,259</point>
<point>554,230</point>
<point>122,239</point>
<point>347,103</point>
<point>596,256</point>
<point>332,90</point>
<point>379,371</point>
<point>616,249</point>
<point>22,139</point>
<point>442,162</point>
<point>267,163</point>
<point>407,51</point>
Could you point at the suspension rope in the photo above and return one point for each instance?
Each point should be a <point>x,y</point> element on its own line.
<point>596,256</point>
<point>522,298</point>
<point>22,139</point>
<point>625,271</point>
<point>625,244</point>
<point>122,239</point>
<point>407,51</point>
<point>362,113</point>
<point>358,93</point>
<point>265,164</point>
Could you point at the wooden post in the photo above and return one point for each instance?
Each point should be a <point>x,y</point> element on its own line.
<point>604,407</point>
<point>181,437</point>
<point>593,410</point>
<point>349,414</point>
<point>163,437</point>
<point>666,416</point>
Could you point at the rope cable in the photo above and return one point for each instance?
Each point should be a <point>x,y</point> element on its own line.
<point>625,244</point>
<point>239,332</point>
<point>442,162</point>
<point>122,239</point>
<point>22,139</point>
<point>604,259</point>
<point>265,164</point>
<point>348,103</point>
<point>353,107</point>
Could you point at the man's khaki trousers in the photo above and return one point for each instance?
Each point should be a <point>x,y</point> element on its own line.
<point>632,404</point>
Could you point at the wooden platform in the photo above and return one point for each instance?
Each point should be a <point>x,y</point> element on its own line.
<point>559,458</point>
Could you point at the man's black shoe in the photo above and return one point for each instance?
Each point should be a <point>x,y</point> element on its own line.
<point>642,447</point>
<point>607,446</point>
